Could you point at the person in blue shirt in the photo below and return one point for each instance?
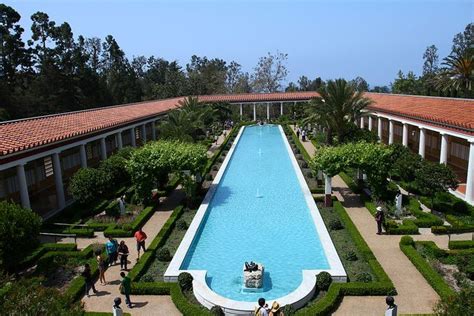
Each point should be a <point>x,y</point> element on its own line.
<point>111,248</point>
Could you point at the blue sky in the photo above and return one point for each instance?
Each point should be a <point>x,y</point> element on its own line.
<point>330,39</point>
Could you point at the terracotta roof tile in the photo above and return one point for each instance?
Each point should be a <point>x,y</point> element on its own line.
<point>16,136</point>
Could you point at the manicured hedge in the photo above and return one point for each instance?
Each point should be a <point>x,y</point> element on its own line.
<point>157,242</point>
<point>289,131</point>
<point>408,227</point>
<point>140,220</point>
<point>332,299</point>
<point>443,230</point>
<point>41,250</point>
<point>222,147</point>
<point>461,244</point>
<point>423,219</point>
<point>431,276</point>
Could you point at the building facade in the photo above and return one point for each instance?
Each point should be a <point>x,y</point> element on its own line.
<point>38,156</point>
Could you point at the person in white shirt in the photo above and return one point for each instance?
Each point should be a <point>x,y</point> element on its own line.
<point>262,309</point>
<point>392,307</point>
<point>116,309</point>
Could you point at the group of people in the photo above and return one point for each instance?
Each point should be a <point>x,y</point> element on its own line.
<point>302,132</point>
<point>263,310</point>
<point>114,250</point>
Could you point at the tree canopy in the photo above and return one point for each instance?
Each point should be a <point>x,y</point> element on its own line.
<point>150,165</point>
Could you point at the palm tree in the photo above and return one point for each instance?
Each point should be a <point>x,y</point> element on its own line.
<point>338,106</point>
<point>458,73</point>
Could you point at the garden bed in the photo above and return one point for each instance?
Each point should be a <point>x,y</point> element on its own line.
<point>157,267</point>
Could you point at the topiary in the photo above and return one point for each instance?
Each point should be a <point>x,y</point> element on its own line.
<point>217,311</point>
<point>185,281</point>
<point>208,177</point>
<point>460,207</point>
<point>323,281</point>
<point>351,256</point>
<point>335,224</point>
<point>364,277</point>
<point>163,254</point>
<point>407,240</point>
<point>181,224</point>
<point>215,168</point>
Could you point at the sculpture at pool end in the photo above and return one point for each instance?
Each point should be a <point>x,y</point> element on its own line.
<point>253,275</point>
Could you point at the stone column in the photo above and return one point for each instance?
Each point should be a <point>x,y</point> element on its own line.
<point>370,123</point>
<point>58,179</point>
<point>327,190</point>
<point>118,138</point>
<point>405,135</point>
<point>144,133</point>
<point>24,196</point>
<point>470,175</point>
<point>421,148</point>
<point>362,122</point>
<point>83,154</point>
<point>241,111</point>
<point>379,129</point>
<point>133,139</point>
<point>281,108</point>
<point>254,112</point>
<point>443,157</point>
<point>268,111</point>
<point>390,132</point>
<point>103,149</point>
<point>153,130</point>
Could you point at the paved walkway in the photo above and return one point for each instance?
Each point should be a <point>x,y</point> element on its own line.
<point>215,145</point>
<point>415,295</point>
<point>143,304</point>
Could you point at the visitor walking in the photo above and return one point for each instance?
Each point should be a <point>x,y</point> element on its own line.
<point>111,250</point>
<point>102,263</point>
<point>116,309</point>
<point>379,218</point>
<point>123,253</point>
<point>298,131</point>
<point>392,307</point>
<point>126,287</point>
<point>262,309</point>
<point>303,135</point>
<point>140,236</point>
<point>88,279</point>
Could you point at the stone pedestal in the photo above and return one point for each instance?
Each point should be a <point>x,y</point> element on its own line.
<point>254,279</point>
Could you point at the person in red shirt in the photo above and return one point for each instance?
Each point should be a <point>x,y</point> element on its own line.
<point>140,236</point>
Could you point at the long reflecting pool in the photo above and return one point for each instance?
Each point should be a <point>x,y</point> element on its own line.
<point>258,212</point>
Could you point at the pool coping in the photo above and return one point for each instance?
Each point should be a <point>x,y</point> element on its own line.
<point>297,298</point>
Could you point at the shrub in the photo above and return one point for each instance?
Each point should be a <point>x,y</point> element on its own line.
<point>181,224</point>
<point>460,207</point>
<point>323,281</point>
<point>87,184</point>
<point>163,254</point>
<point>335,224</point>
<point>461,244</point>
<point>185,281</point>
<point>215,168</point>
<point>209,177</point>
<point>19,229</point>
<point>115,169</point>
<point>407,240</point>
<point>351,256</point>
<point>461,303</point>
<point>364,277</point>
<point>288,310</point>
<point>217,311</point>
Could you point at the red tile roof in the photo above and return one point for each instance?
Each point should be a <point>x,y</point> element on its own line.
<point>447,112</point>
<point>21,135</point>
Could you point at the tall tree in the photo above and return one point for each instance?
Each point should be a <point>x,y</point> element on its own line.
<point>360,84</point>
<point>270,73</point>
<point>206,76</point>
<point>409,84</point>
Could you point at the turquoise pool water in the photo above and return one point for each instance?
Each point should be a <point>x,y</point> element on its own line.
<point>259,213</point>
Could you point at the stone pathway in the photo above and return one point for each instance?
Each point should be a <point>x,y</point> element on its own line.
<point>415,295</point>
<point>215,145</point>
<point>143,304</point>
